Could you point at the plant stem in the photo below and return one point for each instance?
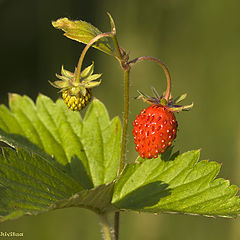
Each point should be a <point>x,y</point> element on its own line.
<point>125,119</point>
<point>80,61</point>
<point>164,67</point>
<point>106,229</point>
<point>116,225</point>
<point>124,139</point>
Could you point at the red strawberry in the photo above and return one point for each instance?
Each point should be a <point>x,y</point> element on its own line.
<point>154,130</point>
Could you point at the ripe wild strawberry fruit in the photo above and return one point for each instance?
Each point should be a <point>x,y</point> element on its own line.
<point>155,128</point>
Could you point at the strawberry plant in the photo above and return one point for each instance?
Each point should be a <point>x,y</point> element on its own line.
<point>52,157</point>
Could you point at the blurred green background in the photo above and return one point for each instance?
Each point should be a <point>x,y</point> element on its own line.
<point>200,43</point>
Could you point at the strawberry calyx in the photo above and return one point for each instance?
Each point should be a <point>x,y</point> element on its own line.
<point>171,104</point>
<point>68,81</point>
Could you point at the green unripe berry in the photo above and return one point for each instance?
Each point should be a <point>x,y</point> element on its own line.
<point>76,102</point>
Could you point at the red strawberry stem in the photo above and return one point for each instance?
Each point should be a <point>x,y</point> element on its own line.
<point>164,67</point>
<point>81,58</point>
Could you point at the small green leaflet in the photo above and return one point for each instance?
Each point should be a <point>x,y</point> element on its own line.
<point>84,32</point>
<point>181,185</point>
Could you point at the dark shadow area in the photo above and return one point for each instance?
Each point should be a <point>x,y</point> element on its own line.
<point>168,155</point>
<point>79,172</point>
<point>16,140</point>
<point>145,196</point>
<point>73,169</point>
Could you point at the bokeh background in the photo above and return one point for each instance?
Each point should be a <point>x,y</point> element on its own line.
<point>200,43</point>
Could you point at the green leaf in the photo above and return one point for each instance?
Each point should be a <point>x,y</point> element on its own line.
<point>88,150</point>
<point>181,185</point>
<point>97,199</point>
<point>30,185</point>
<point>84,32</point>
<point>103,160</point>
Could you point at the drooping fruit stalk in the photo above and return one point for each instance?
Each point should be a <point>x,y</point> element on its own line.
<point>155,128</point>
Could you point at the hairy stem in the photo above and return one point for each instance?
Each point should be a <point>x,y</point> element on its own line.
<point>124,139</point>
<point>106,229</point>
<point>80,61</point>
<point>164,67</point>
<point>125,119</point>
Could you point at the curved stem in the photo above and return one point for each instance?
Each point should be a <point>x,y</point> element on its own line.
<point>164,67</point>
<point>106,229</point>
<point>80,61</point>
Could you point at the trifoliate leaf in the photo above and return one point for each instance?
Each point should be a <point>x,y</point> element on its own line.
<point>181,185</point>
<point>84,32</point>
<point>88,149</point>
